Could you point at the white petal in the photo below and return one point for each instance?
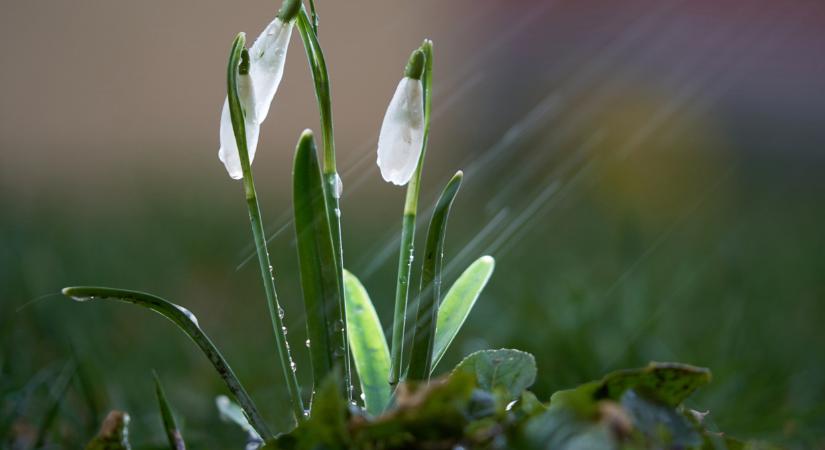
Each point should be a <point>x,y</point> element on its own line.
<point>267,56</point>
<point>228,153</point>
<point>402,133</point>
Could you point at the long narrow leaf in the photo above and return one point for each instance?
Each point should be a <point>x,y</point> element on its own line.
<point>368,345</point>
<point>332,181</point>
<point>170,426</point>
<point>458,303</point>
<point>316,258</point>
<point>421,353</point>
<point>188,323</point>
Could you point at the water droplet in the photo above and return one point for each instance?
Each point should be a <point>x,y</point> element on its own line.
<point>188,315</point>
<point>283,328</point>
<point>337,186</point>
<point>293,366</point>
<point>338,212</point>
<point>363,397</point>
<point>307,343</point>
<point>281,313</point>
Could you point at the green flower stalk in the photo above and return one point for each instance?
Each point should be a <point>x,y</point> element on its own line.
<point>237,71</point>
<point>419,71</point>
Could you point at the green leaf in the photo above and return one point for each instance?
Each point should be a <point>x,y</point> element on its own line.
<point>510,370</point>
<point>662,426</point>
<point>668,383</point>
<point>458,303</point>
<point>169,425</point>
<point>368,345</point>
<point>113,434</point>
<point>425,415</point>
<point>186,322</point>
<point>421,353</point>
<point>317,261</point>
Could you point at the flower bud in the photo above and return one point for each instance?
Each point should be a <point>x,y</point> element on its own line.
<point>402,133</point>
<point>228,153</point>
<point>260,75</point>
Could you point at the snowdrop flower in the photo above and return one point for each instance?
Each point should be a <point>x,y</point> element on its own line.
<point>257,88</point>
<point>402,133</point>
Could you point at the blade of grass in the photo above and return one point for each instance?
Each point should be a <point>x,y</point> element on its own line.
<point>332,181</point>
<point>87,391</point>
<point>368,345</point>
<point>405,254</point>
<point>457,304</point>
<point>58,392</point>
<point>239,60</point>
<point>316,258</point>
<point>169,424</point>
<point>421,352</point>
<point>186,322</point>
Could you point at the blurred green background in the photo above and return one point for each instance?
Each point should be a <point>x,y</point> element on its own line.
<point>648,175</point>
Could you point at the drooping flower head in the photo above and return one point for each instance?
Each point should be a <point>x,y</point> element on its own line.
<point>402,132</point>
<point>258,86</point>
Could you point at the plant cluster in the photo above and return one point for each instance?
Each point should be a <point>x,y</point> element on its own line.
<point>483,402</point>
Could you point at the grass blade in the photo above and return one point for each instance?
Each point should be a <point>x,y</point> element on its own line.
<point>368,345</point>
<point>187,323</point>
<point>421,353</point>
<point>317,261</point>
<point>169,425</point>
<point>59,390</point>
<point>458,303</point>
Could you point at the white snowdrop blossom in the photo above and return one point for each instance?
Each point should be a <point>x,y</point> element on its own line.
<point>402,133</point>
<point>228,153</point>
<point>267,56</point>
<point>266,68</point>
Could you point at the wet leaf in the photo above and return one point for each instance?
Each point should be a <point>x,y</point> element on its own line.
<point>317,262</point>
<point>368,345</point>
<point>186,322</point>
<point>458,303</point>
<point>510,370</point>
<point>429,297</point>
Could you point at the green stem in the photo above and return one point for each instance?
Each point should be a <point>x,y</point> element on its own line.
<point>237,115</point>
<point>332,182</point>
<point>405,254</point>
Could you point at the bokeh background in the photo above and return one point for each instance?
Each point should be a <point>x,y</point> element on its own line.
<point>649,175</point>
